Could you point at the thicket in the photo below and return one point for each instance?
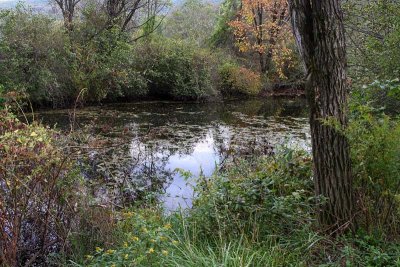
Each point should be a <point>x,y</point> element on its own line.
<point>56,67</point>
<point>373,32</point>
<point>39,192</point>
<point>238,81</point>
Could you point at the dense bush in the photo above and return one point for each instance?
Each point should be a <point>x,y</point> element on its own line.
<point>55,67</point>
<point>146,241</point>
<point>39,192</point>
<point>373,53</point>
<point>375,152</point>
<point>52,67</point>
<point>235,80</point>
<point>104,66</point>
<point>175,69</point>
<point>31,46</point>
<point>379,94</point>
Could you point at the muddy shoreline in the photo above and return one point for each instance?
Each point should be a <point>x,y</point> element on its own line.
<point>284,90</point>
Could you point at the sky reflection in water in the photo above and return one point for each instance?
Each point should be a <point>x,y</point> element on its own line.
<point>194,136</point>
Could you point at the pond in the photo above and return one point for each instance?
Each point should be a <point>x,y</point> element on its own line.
<point>195,137</point>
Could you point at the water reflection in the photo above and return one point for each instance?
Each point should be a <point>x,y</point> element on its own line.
<point>191,136</point>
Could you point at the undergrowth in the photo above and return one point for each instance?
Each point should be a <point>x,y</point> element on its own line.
<point>257,213</point>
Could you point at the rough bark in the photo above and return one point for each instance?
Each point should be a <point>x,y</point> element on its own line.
<point>67,8</point>
<point>319,32</point>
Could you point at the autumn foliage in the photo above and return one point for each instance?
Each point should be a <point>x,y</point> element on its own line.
<point>38,193</point>
<point>235,80</point>
<point>262,27</point>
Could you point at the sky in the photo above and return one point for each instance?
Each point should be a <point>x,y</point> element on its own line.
<point>33,3</point>
<point>38,3</point>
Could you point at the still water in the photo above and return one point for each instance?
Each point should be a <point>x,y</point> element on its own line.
<point>195,137</point>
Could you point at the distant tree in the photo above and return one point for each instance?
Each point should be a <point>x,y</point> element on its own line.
<point>193,20</point>
<point>222,33</point>
<point>67,8</point>
<point>319,32</point>
<point>132,14</point>
<point>262,26</point>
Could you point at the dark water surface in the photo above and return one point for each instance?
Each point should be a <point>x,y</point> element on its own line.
<point>192,136</point>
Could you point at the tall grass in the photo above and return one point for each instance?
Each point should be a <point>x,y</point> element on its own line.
<point>195,249</point>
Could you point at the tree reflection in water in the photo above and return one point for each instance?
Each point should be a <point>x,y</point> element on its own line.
<point>160,137</point>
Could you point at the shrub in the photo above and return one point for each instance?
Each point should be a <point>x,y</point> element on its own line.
<point>380,94</point>
<point>146,242</point>
<point>175,69</point>
<point>30,46</point>
<point>235,80</point>
<point>375,151</point>
<point>52,67</point>
<point>39,192</point>
<point>274,195</point>
<point>104,66</point>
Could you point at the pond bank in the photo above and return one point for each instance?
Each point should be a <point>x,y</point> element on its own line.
<point>295,89</point>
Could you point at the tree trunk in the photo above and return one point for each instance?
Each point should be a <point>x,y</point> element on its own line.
<point>319,32</point>
<point>263,63</point>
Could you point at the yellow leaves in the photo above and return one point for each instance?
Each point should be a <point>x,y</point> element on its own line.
<point>268,35</point>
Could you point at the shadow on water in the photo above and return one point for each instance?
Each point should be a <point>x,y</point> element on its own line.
<point>195,137</point>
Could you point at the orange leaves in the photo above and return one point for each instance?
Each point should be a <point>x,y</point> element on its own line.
<point>262,26</point>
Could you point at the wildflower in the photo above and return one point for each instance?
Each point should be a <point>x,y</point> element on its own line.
<point>126,256</point>
<point>33,134</point>
<point>144,229</point>
<point>151,250</point>
<point>168,226</point>
<point>89,257</point>
<point>164,252</point>
<point>135,238</point>
<point>125,244</point>
<point>152,240</point>
<point>163,238</point>
<point>113,265</point>
<point>110,251</point>
<point>98,250</point>
<point>175,242</point>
